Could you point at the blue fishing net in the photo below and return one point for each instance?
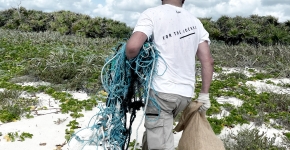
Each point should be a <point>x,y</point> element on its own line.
<point>127,83</point>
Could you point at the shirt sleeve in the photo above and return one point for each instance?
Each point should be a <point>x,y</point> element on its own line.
<point>145,24</point>
<point>204,36</point>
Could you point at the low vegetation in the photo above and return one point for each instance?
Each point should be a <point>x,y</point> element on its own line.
<point>16,136</point>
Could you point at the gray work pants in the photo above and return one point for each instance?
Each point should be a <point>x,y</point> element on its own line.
<point>159,123</point>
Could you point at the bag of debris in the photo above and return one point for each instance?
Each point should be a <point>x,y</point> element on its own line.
<point>197,133</point>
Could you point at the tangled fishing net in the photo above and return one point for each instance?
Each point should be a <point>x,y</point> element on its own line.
<point>127,83</point>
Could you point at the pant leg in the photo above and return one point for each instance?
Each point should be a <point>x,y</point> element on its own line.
<point>181,105</point>
<point>144,141</point>
<point>159,122</point>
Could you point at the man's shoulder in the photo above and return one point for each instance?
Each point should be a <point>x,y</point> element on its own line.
<point>152,11</point>
<point>153,8</point>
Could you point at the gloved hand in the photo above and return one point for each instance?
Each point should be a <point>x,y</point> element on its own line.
<point>204,98</point>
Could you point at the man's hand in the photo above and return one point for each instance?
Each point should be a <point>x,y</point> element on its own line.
<point>204,98</point>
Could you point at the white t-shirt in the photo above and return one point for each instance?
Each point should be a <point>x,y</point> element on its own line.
<point>176,35</point>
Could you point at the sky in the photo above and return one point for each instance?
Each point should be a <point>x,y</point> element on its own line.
<point>128,11</point>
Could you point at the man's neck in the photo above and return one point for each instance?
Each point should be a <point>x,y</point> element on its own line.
<point>172,2</point>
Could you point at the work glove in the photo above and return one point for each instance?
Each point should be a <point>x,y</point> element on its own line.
<point>204,98</point>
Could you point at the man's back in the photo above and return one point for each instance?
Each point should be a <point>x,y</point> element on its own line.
<point>176,34</point>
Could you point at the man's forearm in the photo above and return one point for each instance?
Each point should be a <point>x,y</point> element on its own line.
<point>206,74</point>
<point>206,60</point>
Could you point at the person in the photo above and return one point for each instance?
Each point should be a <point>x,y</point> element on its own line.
<point>179,37</point>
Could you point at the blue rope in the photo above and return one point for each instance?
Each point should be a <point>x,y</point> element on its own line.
<point>127,83</point>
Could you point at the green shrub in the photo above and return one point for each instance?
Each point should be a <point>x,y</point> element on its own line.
<point>13,107</point>
<point>250,139</point>
<point>64,22</point>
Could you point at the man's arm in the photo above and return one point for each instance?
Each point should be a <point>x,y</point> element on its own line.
<point>206,60</point>
<point>134,44</point>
